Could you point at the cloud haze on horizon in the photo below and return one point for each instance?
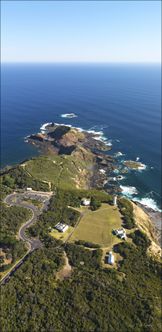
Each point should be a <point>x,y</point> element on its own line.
<point>81,31</point>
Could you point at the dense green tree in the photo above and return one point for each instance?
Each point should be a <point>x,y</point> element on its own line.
<point>95,204</point>
<point>9,181</point>
<point>126,210</point>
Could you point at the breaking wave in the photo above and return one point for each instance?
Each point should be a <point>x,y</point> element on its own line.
<point>118,154</point>
<point>128,191</point>
<point>120,177</point>
<point>142,167</point>
<point>43,127</point>
<point>148,202</point>
<point>69,115</point>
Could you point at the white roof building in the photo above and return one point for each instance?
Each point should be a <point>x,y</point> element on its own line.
<point>61,227</point>
<point>102,171</point>
<point>111,259</point>
<point>29,189</point>
<point>120,233</point>
<point>86,201</point>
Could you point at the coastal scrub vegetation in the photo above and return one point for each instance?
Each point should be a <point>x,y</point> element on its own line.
<point>92,299</point>
<point>17,177</point>
<point>126,210</point>
<point>87,244</point>
<point>11,220</point>
<point>63,171</point>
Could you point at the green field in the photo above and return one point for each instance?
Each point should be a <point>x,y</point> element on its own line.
<point>61,236</point>
<point>61,171</point>
<point>97,226</point>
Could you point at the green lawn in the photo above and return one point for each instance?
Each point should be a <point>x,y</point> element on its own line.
<point>61,236</point>
<point>62,171</point>
<point>96,226</point>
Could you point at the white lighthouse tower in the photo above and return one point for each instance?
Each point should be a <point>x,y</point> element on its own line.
<point>115,201</point>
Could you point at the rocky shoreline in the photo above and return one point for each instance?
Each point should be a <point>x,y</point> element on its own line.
<point>155,218</point>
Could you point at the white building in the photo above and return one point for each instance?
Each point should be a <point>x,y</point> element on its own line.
<point>29,189</point>
<point>120,233</point>
<point>86,201</point>
<point>111,259</point>
<point>115,201</point>
<point>61,227</point>
<point>102,171</point>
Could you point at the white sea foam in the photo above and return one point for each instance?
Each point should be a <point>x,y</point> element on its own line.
<point>102,171</point>
<point>128,191</point>
<point>99,136</point>
<point>43,127</point>
<point>142,167</point>
<point>120,177</point>
<point>69,115</point>
<point>148,202</point>
<point>108,143</point>
<point>116,171</point>
<point>63,124</point>
<point>138,158</point>
<point>26,138</point>
<point>118,154</point>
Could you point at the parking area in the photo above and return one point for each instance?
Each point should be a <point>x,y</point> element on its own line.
<point>33,196</point>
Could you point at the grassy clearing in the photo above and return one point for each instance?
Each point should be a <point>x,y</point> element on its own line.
<point>61,236</point>
<point>96,226</point>
<point>61,171</point>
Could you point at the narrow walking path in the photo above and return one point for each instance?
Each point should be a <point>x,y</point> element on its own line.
<point>65,271</point>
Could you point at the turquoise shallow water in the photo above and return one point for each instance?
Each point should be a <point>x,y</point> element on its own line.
<point>122,101</point>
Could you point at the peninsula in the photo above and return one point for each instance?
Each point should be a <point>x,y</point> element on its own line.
<point>76,244</point>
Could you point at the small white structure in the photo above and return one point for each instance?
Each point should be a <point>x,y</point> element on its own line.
<point>120,233</point>
<point>61,227</point>
<point>86,201</point>
<point>102,171</point>
<point>110,259</point>
<point>115,201</point>
<point>29,189</point>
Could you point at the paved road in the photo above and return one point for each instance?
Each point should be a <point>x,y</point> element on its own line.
<point>16,199</point>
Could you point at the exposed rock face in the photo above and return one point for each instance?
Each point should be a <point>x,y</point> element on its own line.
<point>37,137</point>
<point>146,224</point>
<point>61,137</point>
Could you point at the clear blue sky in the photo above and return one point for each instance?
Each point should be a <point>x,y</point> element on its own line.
<point>80,31</point>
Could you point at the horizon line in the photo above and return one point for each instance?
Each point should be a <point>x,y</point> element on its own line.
<point>81,62</point>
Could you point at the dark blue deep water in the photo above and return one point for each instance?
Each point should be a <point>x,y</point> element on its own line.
<point>121,100</point>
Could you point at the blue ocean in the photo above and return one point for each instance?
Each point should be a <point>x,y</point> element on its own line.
<point>121,101</point>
